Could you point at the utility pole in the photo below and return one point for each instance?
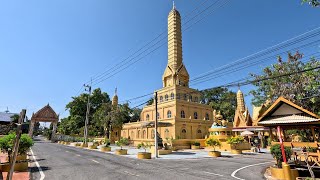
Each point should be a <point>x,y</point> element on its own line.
<point>156,126</point>
<point>85,133</point>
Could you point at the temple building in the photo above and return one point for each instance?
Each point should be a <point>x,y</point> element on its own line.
<point>180,113</point>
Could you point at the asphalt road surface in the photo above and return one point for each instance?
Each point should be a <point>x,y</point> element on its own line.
<point>60,162</point>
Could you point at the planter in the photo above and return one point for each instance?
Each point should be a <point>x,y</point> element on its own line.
<point>93,146</point>
<point>121,151</point>
<point>19,166</point>
<point>144,155</point>
<point>19,158</point>
<point>215,153</point>
<point>278,173</point>
<point>78,144</point>
<point>105,149</point>
<point>195,147</point>
<point>83,145</point>
<point>161,151</point>
<point>67,143</point>
<point>236,151</point>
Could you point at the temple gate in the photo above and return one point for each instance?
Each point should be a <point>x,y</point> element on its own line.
<point>46,114</point>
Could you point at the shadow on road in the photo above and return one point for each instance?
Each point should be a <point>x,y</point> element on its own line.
<point>43,168</point>
<point>183,153</point>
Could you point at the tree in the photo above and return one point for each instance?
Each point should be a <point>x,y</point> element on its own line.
<point>300,88</point>
<point>77,109</point>
<point>313,3</point>
<point>220,99</point>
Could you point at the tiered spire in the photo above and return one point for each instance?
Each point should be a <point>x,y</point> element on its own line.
<point>115,99</point>
<point>175,73</point>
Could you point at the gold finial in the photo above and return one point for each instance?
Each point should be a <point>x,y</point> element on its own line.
<point>115,91</point>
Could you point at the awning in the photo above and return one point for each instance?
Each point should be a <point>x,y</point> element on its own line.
<point>247,133</point>
<point>250,128</point>
<point>291,119</point>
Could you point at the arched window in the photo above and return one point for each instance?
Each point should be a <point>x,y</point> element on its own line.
<point>207,116</point>
<point>138,134</point>
<point>147,117</point>
<point>190,98</point>
<point>183,115</point>
<point>199,134</point>
<point>172,96</point>
<point>158,115</point>
<point>195,115</point>
<point>144,134</point>
<point>132,134</point>
<point>169,114</point>
<point>183,134</point>
<point>166,97</point>
<point>152,134</point>
<point>196,99</point>
<point>161,99</point>
<point>166,133</point>
<point>184,96</point>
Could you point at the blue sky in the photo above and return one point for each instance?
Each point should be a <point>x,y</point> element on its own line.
<point>48,49</point>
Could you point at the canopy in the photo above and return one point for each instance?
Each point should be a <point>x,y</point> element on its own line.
<point>247,133</point>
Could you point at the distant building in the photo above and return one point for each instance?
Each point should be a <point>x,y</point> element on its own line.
<point>5,117</point>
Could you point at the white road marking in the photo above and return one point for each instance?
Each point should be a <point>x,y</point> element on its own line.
<point>67,151</point>
<point>213,173</point>
<point>78,154</point>
<point>234,172</point>
<point>37,164</point>
<point>131,173</point>
<point>95,161</point>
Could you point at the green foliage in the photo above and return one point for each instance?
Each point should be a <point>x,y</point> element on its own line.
<point>276,153</point>
<point>150,101</point>
<point>235,140</point>
<point>221,99</point>
<point>77,110</point>
<point>122,142</point>
<point>300,88</point>
<point>7,144</point>
<point>143,145</point>
<point>196,143</point>
<point>213,142</point>
<point>313,3</point>
<point>107,142</point>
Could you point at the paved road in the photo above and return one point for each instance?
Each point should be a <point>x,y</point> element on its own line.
<point>64,162</point>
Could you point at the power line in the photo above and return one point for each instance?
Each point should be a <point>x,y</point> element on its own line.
<point>263,52</point>
<point>103,77</point>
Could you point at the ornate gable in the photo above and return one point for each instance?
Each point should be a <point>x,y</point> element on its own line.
<point>46,114</point>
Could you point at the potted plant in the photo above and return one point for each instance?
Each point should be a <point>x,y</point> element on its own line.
<point>276,170</point>
<point>106,147</point>
<point>145,154</point>
<point>6,146</point>
<point>234,142</point>
<point>120,143</point>
<point>213,142</point>
<point>195,145</point>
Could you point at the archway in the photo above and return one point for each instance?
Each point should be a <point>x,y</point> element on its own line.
<point>46,114</point>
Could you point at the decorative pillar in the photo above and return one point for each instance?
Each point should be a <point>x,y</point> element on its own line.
<point>313,133</point>
<point>54,129</point>
<point>31,127</point>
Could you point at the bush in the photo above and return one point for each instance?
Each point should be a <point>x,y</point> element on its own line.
<point>107,141</point>
<point>144,146</point>
<point>7,143</point>
<point>196,143</point>
<point>122,142</point>
<point>235,140</point>
<point>213,142</point>
<point>276,153</point>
